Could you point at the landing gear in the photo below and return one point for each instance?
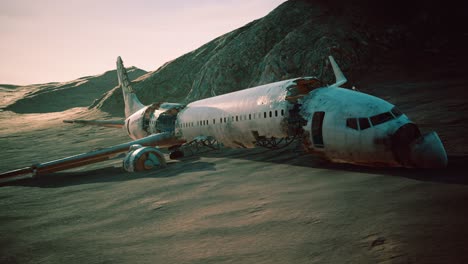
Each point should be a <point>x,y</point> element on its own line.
<point>274,143</point>
<point>198,145</point>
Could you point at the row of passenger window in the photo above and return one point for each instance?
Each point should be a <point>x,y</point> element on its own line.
<point>236,118</point>
<point>364,122</point>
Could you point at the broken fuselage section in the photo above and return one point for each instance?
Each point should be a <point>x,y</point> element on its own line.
<point>338,124</point>
<point>248,117</point>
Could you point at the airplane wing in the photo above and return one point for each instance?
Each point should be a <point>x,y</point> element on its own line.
<point>104,123</point>
<point>93,156</point>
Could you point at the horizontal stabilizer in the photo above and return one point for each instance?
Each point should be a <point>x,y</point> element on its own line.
<point>104,123</point>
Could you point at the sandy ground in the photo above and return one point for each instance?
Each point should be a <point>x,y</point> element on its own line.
<point>241,206</point>
<point>231,206</point>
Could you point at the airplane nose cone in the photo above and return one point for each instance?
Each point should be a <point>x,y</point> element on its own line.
<point>412,149</point>
<point>428,152</point>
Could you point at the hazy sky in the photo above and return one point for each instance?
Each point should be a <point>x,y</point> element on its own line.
<point>61,40</point>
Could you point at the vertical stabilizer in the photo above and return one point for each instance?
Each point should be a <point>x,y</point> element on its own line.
<point>132,104</point>
<point>339,76</point>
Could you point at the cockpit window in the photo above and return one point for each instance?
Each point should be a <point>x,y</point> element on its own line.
<point>352,123</point>
<point>381,118</point>
<point>396,112</point>
<point>364,123</point>
<point>374,120</point>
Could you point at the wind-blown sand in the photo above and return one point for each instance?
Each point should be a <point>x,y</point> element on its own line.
<point>240,206</point>
<point>232,206</point>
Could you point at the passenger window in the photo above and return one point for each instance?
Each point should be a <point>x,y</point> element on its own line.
<point>381,118</point>
<point>282,112</point>
<point>214,121</point>
<point>352,123</point>
<point>250,116</point>
<point>396,112</point>
<point>264,114</point>
<point>270,114</point>
<point>237,118</point>
<point>364,123</point>
<point>276,112</point>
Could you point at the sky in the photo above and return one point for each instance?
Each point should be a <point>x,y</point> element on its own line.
<point>61,40</point>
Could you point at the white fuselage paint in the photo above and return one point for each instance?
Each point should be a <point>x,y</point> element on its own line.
<point>233,118</point>
<point>342,143</point>
<point>325,118</point>
<point>249,110</point>
<point>239,118</point>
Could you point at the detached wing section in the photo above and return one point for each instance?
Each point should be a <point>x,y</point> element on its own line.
<point>104,123</point>
<point>94,156</point>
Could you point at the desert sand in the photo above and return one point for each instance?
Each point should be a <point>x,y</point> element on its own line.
<point>241,206</point>
<point>228,206</point>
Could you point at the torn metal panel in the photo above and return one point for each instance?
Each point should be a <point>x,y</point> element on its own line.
<point>232,117</point>
<point>152,119</point>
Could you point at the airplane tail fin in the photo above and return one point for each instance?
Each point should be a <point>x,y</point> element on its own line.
<point>339,76</point>
<point>132,104</point>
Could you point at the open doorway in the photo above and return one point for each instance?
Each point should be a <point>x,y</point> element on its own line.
<point>317,129</point>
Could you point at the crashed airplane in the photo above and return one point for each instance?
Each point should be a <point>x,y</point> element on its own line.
<point>338,124</point>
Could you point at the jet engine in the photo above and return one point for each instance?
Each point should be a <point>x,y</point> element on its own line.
<point>141,158</point>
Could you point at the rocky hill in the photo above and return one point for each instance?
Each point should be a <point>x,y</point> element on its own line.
<point>295,40</point>
<point>55,97</point>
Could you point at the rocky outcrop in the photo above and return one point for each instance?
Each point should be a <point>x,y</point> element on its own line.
<point>293,40</point>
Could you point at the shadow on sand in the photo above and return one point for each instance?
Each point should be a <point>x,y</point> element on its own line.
<point>110,174</point>
<point>453,174</point>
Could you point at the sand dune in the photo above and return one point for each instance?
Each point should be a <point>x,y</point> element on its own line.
<point>242,206</point>
<point>57,97</point>
<point>238,206</point>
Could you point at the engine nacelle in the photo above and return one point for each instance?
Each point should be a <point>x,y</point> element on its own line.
<point>141,158</point>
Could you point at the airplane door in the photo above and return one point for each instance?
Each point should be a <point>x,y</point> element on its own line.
<point>317,129</point>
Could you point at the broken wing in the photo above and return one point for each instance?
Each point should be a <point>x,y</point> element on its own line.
<point>94,156</point>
